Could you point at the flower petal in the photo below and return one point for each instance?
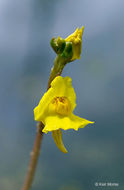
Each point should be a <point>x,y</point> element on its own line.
<point>76,39</point>
<point>55,122</point>
<point>63,87</point>
<point>57,136</point>
<point>59,87</point>
<point>40,110</point>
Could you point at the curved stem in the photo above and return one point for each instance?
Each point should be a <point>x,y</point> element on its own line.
<point>56,71</point>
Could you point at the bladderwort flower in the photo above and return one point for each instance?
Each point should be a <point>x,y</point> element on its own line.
<point>76,39</point>
<point>55,110</point>
<point>68,49</point>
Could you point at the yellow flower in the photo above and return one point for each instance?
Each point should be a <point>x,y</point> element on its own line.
<point>76,39</point>
<point>55,110</point>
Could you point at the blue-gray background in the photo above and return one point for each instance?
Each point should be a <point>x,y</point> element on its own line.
<point>96,154</point>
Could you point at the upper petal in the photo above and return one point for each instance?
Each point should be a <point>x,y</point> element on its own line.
<point>63,87</point>
<point>59,87</point>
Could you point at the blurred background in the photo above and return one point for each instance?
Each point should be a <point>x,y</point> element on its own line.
<point>96,153</point>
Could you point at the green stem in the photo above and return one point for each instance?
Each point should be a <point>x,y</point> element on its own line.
<point>56,71</point>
